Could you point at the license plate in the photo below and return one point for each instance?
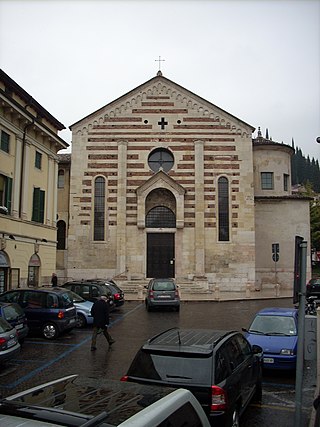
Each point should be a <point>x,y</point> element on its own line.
<point>11,343</point>
<point>19,326</point>
<point>72,321</point>
<point>164,296</point>
<point>268,360</point>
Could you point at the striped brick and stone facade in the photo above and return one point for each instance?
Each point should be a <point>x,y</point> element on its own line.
<point>205,145</point>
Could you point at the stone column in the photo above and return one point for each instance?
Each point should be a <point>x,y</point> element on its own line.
<point>51,199</point>
<point>122,207</point>
<point>199,208</point>
<point>25,184</point>
<point>17,180</point>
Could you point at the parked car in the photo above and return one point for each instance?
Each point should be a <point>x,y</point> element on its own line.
<point>313,287</point>
<point>221,369</point>
<point>74,401</point>
<point>117,293</point>
<point>9,343</point>
<point>83,308</point>
<point>48,310</point>
<point>276,331</point>
<point>90,291</point>
<point>162,293</point>
<point>14,315</point>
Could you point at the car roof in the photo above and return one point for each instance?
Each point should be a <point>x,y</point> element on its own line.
<point>48,289</point>
<point>196,340</point>
<point>85,397</point>
<point>86,282</point>
<point>278,311</point>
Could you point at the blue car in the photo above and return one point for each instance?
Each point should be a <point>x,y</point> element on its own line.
<point>276,331</point>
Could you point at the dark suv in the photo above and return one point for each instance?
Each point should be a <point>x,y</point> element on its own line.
<point>48,310</point>
<point>221,369</point>
<point>90,290</point>
<point>117,293</point>
<point>313,288</point>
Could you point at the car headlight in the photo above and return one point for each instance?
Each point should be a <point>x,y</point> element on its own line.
<point>287,352</point>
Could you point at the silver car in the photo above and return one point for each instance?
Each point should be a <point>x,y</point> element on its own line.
<point>9,344</point>
<point>83,308</point>
<point>162,293</point>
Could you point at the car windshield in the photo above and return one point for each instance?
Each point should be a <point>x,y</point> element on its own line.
<point>75,297</point>
<point>274,325</point>
<point>106,290</point>
<point>177,368</point>
<point>66,299</point>
<point>4,326</point>
<point>12,311</point>
<point>163,286</point>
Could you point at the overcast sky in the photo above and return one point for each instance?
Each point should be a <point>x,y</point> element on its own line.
<point>258,60</point>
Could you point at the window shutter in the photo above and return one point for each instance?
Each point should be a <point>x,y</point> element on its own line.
<point>41,212</point>
<point>36,204</point>
<point>8,194</point>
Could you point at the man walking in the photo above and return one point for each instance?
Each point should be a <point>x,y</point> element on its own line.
<point>100,313</point>
<point>54,280</point>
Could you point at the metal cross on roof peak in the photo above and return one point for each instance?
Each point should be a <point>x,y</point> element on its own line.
<point>159,60</point>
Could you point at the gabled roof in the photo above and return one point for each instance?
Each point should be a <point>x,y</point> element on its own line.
<point>159,78</point>
<point>11,85</point>
<point>161,180</point>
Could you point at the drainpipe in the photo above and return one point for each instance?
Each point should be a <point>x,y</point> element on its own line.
<point>22,157</point>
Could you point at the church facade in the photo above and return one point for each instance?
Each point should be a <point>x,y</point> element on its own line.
<point>166,184</point>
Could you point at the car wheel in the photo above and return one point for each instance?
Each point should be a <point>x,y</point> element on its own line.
<point>148,307</point>
<point>178,308</point>
<point>257,397</point>
<point>235,418</point>
<point>81,323</point>
<point>49,331</point>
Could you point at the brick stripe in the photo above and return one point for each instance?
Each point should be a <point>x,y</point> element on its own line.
<point>123,119</point>
<point>158,133</point>
<point>158,97</point>
<point>160,111</point>
<point>200,119</point>
<point>161,139</point>
<point>157,104</point>
<point>199,127</point>
<point>122,127</point>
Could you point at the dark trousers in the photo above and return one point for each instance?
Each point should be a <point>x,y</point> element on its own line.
<point>96,331</point>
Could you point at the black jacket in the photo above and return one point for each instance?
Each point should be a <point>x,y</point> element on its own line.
<point>100,313</point>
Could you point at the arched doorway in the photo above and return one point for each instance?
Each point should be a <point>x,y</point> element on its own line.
<point>160,218</point>
<point>34,271</point>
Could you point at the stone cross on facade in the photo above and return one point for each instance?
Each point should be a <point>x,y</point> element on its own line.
<point>162,123</point>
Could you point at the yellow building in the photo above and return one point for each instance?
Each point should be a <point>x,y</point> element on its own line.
<point>28,188</point>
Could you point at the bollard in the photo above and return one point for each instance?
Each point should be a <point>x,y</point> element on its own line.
<point>140,292</point>
<point>216,292</point>
<point>277,287</point>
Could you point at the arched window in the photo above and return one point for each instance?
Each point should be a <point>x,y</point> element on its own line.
<point>61,178</point>
<point>61,235</point>
<point>34,270</point>
<point>160,217</point>
<point>99,209</point>
<point>223,209</point>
